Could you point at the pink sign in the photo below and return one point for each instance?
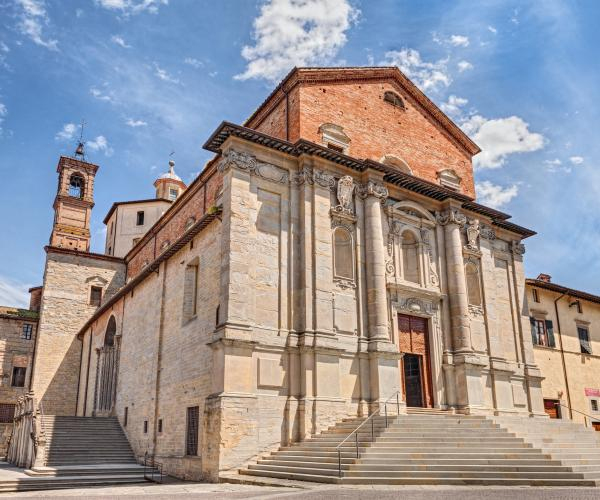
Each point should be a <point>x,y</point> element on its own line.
<point>592,392</point>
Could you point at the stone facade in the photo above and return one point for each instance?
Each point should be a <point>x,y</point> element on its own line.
<point>68,279</point>
<point>569,363</point>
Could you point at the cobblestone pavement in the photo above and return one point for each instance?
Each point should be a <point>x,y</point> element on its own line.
<point>206,491</point>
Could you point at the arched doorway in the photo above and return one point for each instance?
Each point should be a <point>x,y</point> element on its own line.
<point>106,371</point>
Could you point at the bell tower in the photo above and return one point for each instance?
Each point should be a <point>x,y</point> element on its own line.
<point>74,202</point>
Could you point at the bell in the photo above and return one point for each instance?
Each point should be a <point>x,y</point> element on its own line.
<point>79,150</point>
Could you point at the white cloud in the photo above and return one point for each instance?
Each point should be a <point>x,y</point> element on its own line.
<point>576,160</point>
<point>464,66</point>
<point>290,33</point>
<point>120,41</point>
<point>190,61</point>
<point>212,74</point>
<point>67,133</point>
<point>493,30</point>
<point>555,165</point>
<point>13,293</point>
<point>3,113</point>
<point>499,138</point>
<point>100,95</point>
<point>495,196</point>
<point>33,16</point>
<point>4,48</point>
<point>453,104</point>
<point>163,75</point>
<point>128,7</point>
<point>426,75</point>
<point>100,144</point>
<point>459,40</point>
<point>136,123</point>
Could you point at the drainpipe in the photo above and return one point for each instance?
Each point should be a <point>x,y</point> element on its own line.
<point>562,354</point>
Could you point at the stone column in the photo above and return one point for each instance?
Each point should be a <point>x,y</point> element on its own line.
<point>377,313</point>
<point>453,220</point>
<point>383,356</point>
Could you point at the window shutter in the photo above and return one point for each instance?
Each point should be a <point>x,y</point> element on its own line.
<point>534,337</point>
<point>550,330</point>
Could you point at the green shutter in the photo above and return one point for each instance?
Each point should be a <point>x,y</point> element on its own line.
<point>550,330</point>
<point>534,338</point>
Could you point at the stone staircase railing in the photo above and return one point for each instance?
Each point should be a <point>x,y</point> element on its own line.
<point>27,447</point>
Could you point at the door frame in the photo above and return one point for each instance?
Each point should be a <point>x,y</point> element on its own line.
<point>427,389</point>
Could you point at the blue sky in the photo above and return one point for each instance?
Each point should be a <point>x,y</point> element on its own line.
<point>154,76</point>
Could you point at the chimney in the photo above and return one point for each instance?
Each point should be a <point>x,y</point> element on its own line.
<point>544,277</point>
<point>35,298</point>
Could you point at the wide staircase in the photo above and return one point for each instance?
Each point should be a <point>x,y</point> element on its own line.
<point>82,452</point>
<point>436,447</point>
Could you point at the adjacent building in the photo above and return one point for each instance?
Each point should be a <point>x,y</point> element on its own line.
<point>18,331</point>
<point>565,330</point>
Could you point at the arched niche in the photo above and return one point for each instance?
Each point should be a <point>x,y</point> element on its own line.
<point>396,162</point>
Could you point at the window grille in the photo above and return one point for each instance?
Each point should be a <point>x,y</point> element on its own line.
<point>594,404</point>
<point>18,378</point>
<point>27,331</point>
<point>191,434</point>
<point>7,413</point>
<point>95,296</point>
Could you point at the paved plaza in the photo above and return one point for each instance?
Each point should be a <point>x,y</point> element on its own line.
<point>232,491</point>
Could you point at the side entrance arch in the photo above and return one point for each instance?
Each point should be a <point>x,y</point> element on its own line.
<point>107,368</point>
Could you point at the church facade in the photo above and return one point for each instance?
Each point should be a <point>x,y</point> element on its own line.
<point>330,257</point>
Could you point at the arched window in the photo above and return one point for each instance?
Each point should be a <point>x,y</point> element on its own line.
<point>473,284</point>
<point>111,330</point>
<point>394,99</point>
<point>410,257</point>
<point>343,261</point>
<point>396,162</point>
<point>76,184</point>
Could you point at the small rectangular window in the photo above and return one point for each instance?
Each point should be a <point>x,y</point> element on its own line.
<point>135,241</point>
<point>584,340</point>
<point>594,404</point>
<point>335,147</point>
<point>125,416</point>
<point>140,218</point>
<point>7,413</point>
<point>191,431</point>
<point>27,331</point>
<point>579,307</point>
<point>18,376</point>
<point>536,297</point>
<point>95,296</point>
<point>172,194</point>
<point>160,425</point>
<point>145,427</point>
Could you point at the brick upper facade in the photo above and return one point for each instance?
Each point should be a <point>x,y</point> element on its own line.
<point>353,98</point>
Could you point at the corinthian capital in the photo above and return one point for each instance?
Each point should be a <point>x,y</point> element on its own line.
<point>451,216</point>
<point>372,188</point>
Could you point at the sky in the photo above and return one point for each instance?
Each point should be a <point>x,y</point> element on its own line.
<point>153,77</point>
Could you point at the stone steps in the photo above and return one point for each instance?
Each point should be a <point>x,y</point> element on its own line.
<point>81,452</point>
<point>436,448</point>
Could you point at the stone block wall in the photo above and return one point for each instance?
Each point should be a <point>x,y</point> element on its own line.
<point>65,308</point>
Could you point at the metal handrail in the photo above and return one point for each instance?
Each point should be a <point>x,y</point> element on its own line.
<point>154,467</point>
<point>586,416</point>
<point>369,418</point>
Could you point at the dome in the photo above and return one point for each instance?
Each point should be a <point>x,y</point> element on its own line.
<point>171,175</point>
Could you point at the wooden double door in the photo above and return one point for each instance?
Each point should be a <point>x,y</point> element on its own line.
<point>413,341</point>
